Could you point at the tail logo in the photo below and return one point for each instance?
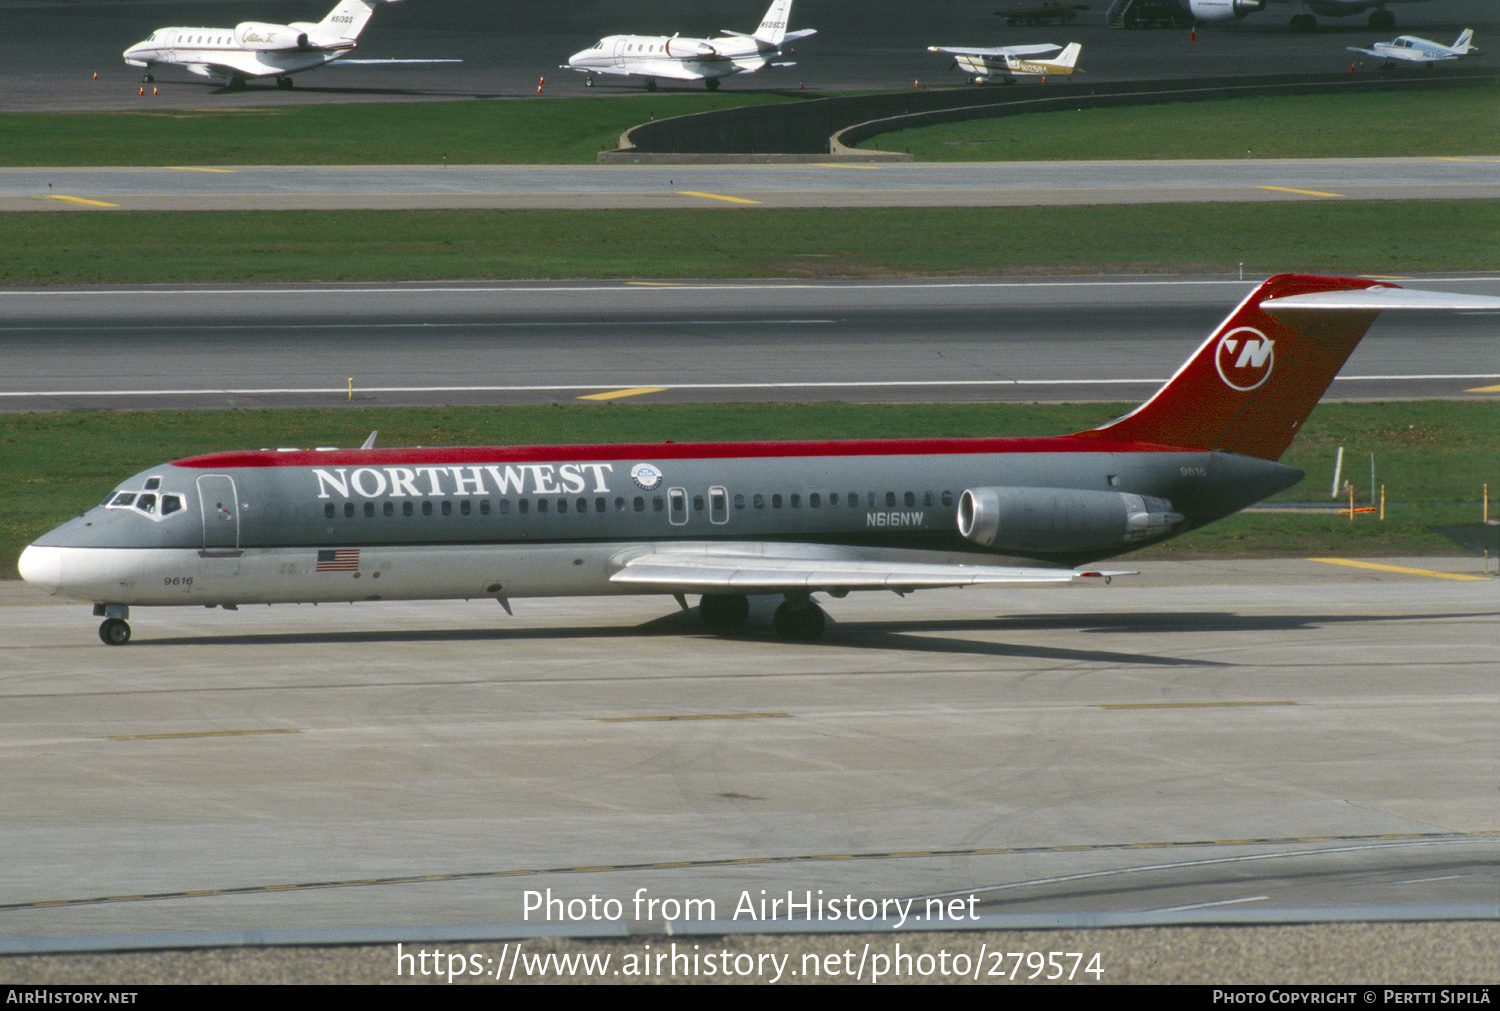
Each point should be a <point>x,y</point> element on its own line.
<point>1245,358</point>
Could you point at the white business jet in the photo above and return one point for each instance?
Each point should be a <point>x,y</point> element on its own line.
<point>1415,50</point>
<point>254,49</point>
<point>1007,63</point>
<point>706,60</point>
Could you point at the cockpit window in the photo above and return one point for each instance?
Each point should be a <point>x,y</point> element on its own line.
<point>148,502</point>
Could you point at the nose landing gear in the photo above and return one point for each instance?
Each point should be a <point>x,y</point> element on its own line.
<point>115,630</point>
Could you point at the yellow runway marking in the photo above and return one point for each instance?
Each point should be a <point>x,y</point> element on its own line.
<point>1306,193</point>
<point>614,394</point>
<point>1484,389</point>
<point>194,168</point>
<point>704,716</point>
<point>1397,568</point>
<point>657,284</point>
<point>80,200</point>
<point>205,733</point>
<point>834,164</point>
<point>717,196</point>
<point>1187,705</point>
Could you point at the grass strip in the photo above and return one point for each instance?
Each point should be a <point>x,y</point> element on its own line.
<point>1433,457</point>
<point>542,131</point>
<point>1316,236</point>
<point>1454,122</point>
<point>1451,121</point>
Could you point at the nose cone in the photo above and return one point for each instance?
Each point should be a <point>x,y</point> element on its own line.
<point>42,567</point>
<point>579,58</point>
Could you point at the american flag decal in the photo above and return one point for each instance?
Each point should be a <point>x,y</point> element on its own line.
<point>338,560</point>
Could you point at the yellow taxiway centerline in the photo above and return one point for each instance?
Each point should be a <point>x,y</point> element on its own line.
<point>717,196</point>
<point>1396,568</point>
<point>1306,193</point>
<point>80,200</point>
<point>614,394</point>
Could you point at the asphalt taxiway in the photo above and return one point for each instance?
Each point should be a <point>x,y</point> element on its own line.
<point>661,187</point>
<point>1221,741</point>
<point>924,340</point>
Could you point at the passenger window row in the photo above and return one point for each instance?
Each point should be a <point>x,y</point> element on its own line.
<point>620,504</point>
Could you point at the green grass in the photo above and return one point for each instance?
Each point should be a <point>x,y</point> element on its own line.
<point>1432,457</point>
<point>529,131</point>
<point>1453,122</point>
<point>230,246</point>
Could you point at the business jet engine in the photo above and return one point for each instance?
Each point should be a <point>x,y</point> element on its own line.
<point>270,38</point>
<point>1061,519</point>
<point>1223,10</point>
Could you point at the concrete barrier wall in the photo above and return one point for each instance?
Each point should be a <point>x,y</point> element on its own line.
<point>809,127</point>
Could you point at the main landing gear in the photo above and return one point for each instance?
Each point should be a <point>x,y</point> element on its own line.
<point>284,83</point>
<point>115,630</point>
<point>797,618</point>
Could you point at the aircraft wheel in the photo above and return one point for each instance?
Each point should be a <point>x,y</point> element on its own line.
<point>284,83</point>
<point>801,622</point>
<point>712,84</point>
<point>1382,20</point>
<point>590,82</point>
<point>650,84</point>
<point>724,612</point>
<point>114,632</point>
<point>148,79</point>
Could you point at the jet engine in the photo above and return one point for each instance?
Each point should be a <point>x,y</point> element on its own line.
<point>1033,520</point>
<point>1224,10</point>
<point>255,35</point>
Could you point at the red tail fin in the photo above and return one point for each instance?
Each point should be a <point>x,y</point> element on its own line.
<point>1252,384</point>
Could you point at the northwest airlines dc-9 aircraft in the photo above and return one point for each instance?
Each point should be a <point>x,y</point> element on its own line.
<point>727,520</point>
<point>677,58</point>
<point>254,49</point>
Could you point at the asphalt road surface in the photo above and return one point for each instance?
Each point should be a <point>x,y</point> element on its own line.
<point>1058,339</point>
<point>1217,741</point>
<point>51,50</point>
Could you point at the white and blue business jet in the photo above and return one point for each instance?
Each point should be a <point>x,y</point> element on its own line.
<point>255,49</point>
<point>706,60</point>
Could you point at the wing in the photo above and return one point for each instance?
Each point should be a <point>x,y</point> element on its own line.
<point>999,51</point>
<point>807,568</point>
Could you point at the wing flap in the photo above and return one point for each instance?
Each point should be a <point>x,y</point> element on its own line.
<point>673,572</point>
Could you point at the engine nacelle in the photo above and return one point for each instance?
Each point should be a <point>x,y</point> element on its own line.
<point>269,38</point>
<point>1053,520</point>
<point>1223,10</point>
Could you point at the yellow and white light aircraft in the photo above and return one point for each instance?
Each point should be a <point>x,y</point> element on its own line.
<point>706,60</point>
<point>254,49</point>
<point>1006,63</point>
